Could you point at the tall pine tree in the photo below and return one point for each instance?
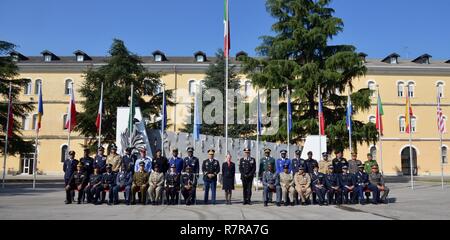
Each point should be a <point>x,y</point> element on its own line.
<point>9,72</point>
<point>122,69</point>
<point>299,56</point>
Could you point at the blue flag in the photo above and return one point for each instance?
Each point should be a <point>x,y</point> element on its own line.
<point>259,116</point>
<point>197,123</point>
<point>349,115</point>
<point>289,109</point>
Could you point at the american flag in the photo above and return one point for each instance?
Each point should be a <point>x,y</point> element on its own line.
<point>440,116</point>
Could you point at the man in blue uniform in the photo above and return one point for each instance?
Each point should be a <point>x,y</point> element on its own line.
<point>297,161</point>
<point>108,182</point>
<point>100,160</point>
<point>310,162</point>
<point>88,162</point>
<point>348,185</point>
<point>143,158</point>
<point>91,190</point>
<point>338,162</point>
<point>318,186</point>
<point>247,168</point>
<point>333,186</point>
<point>194,163</point>
<point>177,161</point>
<point>210,169</point>
<point>77,181</point>
<point>124,179</point>
<point>362,183</point>
<point>283,161</point>
<point>172,186</point>
<point>188,185</point>
<point>69,167</point>
<point>129,159</point>
<point>271,183</point>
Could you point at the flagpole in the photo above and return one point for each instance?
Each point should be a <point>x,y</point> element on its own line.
<point>70,118</point>
<point>227,53</point>
<point>442,164</point>
<point>349,123</point>
<point>380,140</point>
<point>440,138</point>
<point>101,116</point>
<point>287,120</point>
<point>320,124</point>
<point>6,136</point>
<point>36,127</point>
<point>410,142</point>
<point>258,130</point>
<point>163,122</point>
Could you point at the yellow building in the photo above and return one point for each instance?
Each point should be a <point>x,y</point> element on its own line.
<point>421,78</point>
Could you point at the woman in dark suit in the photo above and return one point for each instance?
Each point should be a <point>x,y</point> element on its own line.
<point>228,171</point>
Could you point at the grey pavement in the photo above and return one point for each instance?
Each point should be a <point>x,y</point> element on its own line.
<point>427,201</point>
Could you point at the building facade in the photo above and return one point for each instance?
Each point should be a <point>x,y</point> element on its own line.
<point>393,77</point>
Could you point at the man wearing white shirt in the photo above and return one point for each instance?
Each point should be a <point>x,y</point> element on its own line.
<point>143,158</point>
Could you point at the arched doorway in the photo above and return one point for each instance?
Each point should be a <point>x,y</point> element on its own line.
<point>406,169</point>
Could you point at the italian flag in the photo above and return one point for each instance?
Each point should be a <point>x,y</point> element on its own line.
<point>71,113</point>
<point>226,31</point>
<point>99,113</point>
<point>379,119</point>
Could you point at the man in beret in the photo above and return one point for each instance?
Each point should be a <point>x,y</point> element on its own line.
<point>247,168</point>
<point>100,160</point>
<point>210,169</point>
<point>369,163</point>
<point>140,184</point>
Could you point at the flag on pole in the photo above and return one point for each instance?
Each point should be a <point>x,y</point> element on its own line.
<point>321,118</point>
<point>10,115</point>
<point>40,109</point>
<point>408,114</point>
<point>226,34</point>
<point>131,113</point>
<point>289,109</point>
<point>259,129</point>
<point>196,132</point>
<point>380,113</point>
<point>71,113</point>
<point>349,114</point>
<point>99,113</point>
<point>440,116</point>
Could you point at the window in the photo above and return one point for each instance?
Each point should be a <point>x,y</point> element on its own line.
<point>15,58</point>
<point>35,116</point>
<point>64,152</point>
<point>67,86</point>
<point>372,87</point>
<point>147,87</point>
<point>373,151</point>
<point>445,123</point>
<point>192,87</point>
<point>26,122</point>
<point>400,89</point>
<point>413,124</point>
<point>248,88</point>
<point>440,89</point>
<point>372,119</point>
<point>47,58</point>
<point>200,58</point>
<point>402,124</point>
<point>80,58</point>
<point>27,88</point>
<point>36,86</point>
<point>158,58</point>
<point>64,121</point>
<point>444,154</point>
<point>411,89</point>
<point>394,60</point>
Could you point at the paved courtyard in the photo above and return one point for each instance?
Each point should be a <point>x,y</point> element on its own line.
<point>427,201</point>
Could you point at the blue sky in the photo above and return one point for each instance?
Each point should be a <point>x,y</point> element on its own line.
<point>181,27</point>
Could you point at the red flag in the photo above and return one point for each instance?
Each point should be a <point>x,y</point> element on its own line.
<point>71,113</point>
<point>10,116</point>
<point>99,114</point>
<point>226,32</point>
<point>321,118</point>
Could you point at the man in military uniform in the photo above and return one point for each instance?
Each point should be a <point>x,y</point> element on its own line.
<point>145,159</point>
<point>297,161</point>
<point>247,168</point>
<point>77,181</point>
<point>362,183</point>
<point>177,161</point>
<point>191,161</point>
<point>287,186</point>
<point>188,185</point>
<point>302,182</point>
<point>318,186</point>
<point>162,162</point>
<point>88,162</point>
<point>283,161</point>
<point>271,183</point>
<point>348,183</point>
<point>172,185</point>
<point>140,184</point>
<point>354,163</point>
<point>369,163</point>
<point>323,165</point>
<point>156,185</point>
<point>265,162</point>
<point>114,159</point>
<point>69,167</point>
<point>124,178</point>
<point>108,183</point>
<point>310,162</point>
<point>376,179</point>
<point>210,169</point>
<point>333,186</point>
<point>338,162</point>
<point>129,159</point>
<point>91,190</point>
<point>100,160</point>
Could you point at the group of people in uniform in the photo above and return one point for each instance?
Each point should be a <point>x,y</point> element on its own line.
<point>159,180</point>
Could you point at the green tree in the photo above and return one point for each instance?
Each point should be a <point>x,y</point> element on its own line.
<point>9,72</point>
<point>122,69</point>
<point>299,56</point>
<point>215,79</point>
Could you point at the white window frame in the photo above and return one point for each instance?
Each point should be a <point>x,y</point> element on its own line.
<point>413,124</point>
<point>80,58</point>
<point>64,120</point>
<point>440,88</point>
<point>67,85</point>
<point>393,60</point>
<point>444,159</point>
<point>402,124</point>
<point>400,89</point>
<point>47,58</point>
<point>200,58</point>
<point>28,88</point>
<point>158,58</point>
<point>192,85</point>
<point>372,85</point>
<point>26,122</point>
<point>34,121</point>
<point>65,152</point>
<point>36,86</point>
<point>411,86</point>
